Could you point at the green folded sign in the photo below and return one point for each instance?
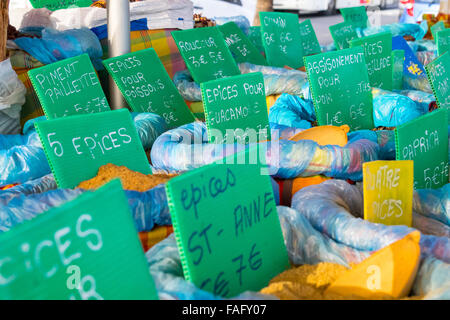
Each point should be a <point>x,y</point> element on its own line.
<point>438,74</point>
<point>85,249</point>
<point>227,228</point>
<point>236,109</point>
<point>357,16</point>
<point>341,89</point>
<point>425,140</point>
<point>69,87</point>
<point>281,39</point>
<point>440,26</point>
<point>76,147</point>
<point>241,47</point>
<point>378,55</point>
<point>310,44</point>
<point>205,53</point>
<point>254,34</point>
<point>398,61</point>
<point>147,87</point>
<point>443,41</point>
<point>342,33</point>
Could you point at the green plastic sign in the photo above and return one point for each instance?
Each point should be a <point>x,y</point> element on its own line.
<point>85,249</point>
<point>281,39</point>
<point>357,16</point>
<point>310,44</point>
<point>342,33</point>
<point>438,74</point>
<point>69,87</point>
<point>440,26</point>
<point>205,53</point>
<point>147,87</point>
<point>254,34</point>
<point>240,46</point>
<point>378,55</point>
<point>425,140</point>
<point>236,109</point>
<point>76,147</point>
<point>398,61</point>
<point>60,4</point>
<point>341,89</point>
<point>443,41</point>
<point>236,246</point>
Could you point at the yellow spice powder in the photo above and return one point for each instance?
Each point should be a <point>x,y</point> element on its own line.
<point>309,282</point>
<point>131,180</point>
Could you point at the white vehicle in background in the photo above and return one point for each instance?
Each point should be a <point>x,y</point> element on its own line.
<point>328,6</point>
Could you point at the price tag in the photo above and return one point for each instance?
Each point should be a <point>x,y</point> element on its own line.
<point>86,249</point>
<point>147,87</point>
<point>281,39</point>
<point>205,53</point>
<point>341,89</point>
<point>227,250</point>
<point>388,192</point>
<point>425,140</point>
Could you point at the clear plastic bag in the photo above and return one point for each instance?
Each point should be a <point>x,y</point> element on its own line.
<point>305,245</point>
<point>23,157</point>
<point>331,208</point>
<point>186,148</point>
<point>399,29</point>
<point>433,280</point>
<point>12,97</point>
<point>276,81</point>
<point>40,185</point>
<point>147,207</point>
<point>149,127</point>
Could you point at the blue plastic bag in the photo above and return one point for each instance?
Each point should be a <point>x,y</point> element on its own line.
<point>59,45</point>
<point>292,111</point>
<point>147,207</point>
<point>333,207</point>
<point>392,110</point>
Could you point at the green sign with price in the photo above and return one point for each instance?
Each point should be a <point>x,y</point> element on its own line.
<point>378,54</point>
<point>85,249</point>
<point>310,44</point>
<point>443,41</point>
<point>357,16</point>
<point>76,147</point>
<point>69,87</point>
<point>254,34</point>
<point>440,26</point>
<point>206,54</point>
<point>341,89</point>
<point>398,61</point>
<point>240,46</point>
<point>342,33</point>
<point>281,39</point>
<point>236,109</point>
<point>239,245</point>
<point>147,87</point>
<point>438,74</point>
<point>425,140</point>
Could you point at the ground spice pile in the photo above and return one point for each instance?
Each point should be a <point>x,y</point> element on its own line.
<point>308,282</point>
<point>131,180</point>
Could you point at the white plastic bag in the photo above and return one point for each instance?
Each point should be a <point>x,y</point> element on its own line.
<point>12,97</point>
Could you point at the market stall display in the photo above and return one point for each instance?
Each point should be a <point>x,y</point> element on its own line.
<point>247,162</point>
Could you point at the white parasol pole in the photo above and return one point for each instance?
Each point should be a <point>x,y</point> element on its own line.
<point>119,42</point>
